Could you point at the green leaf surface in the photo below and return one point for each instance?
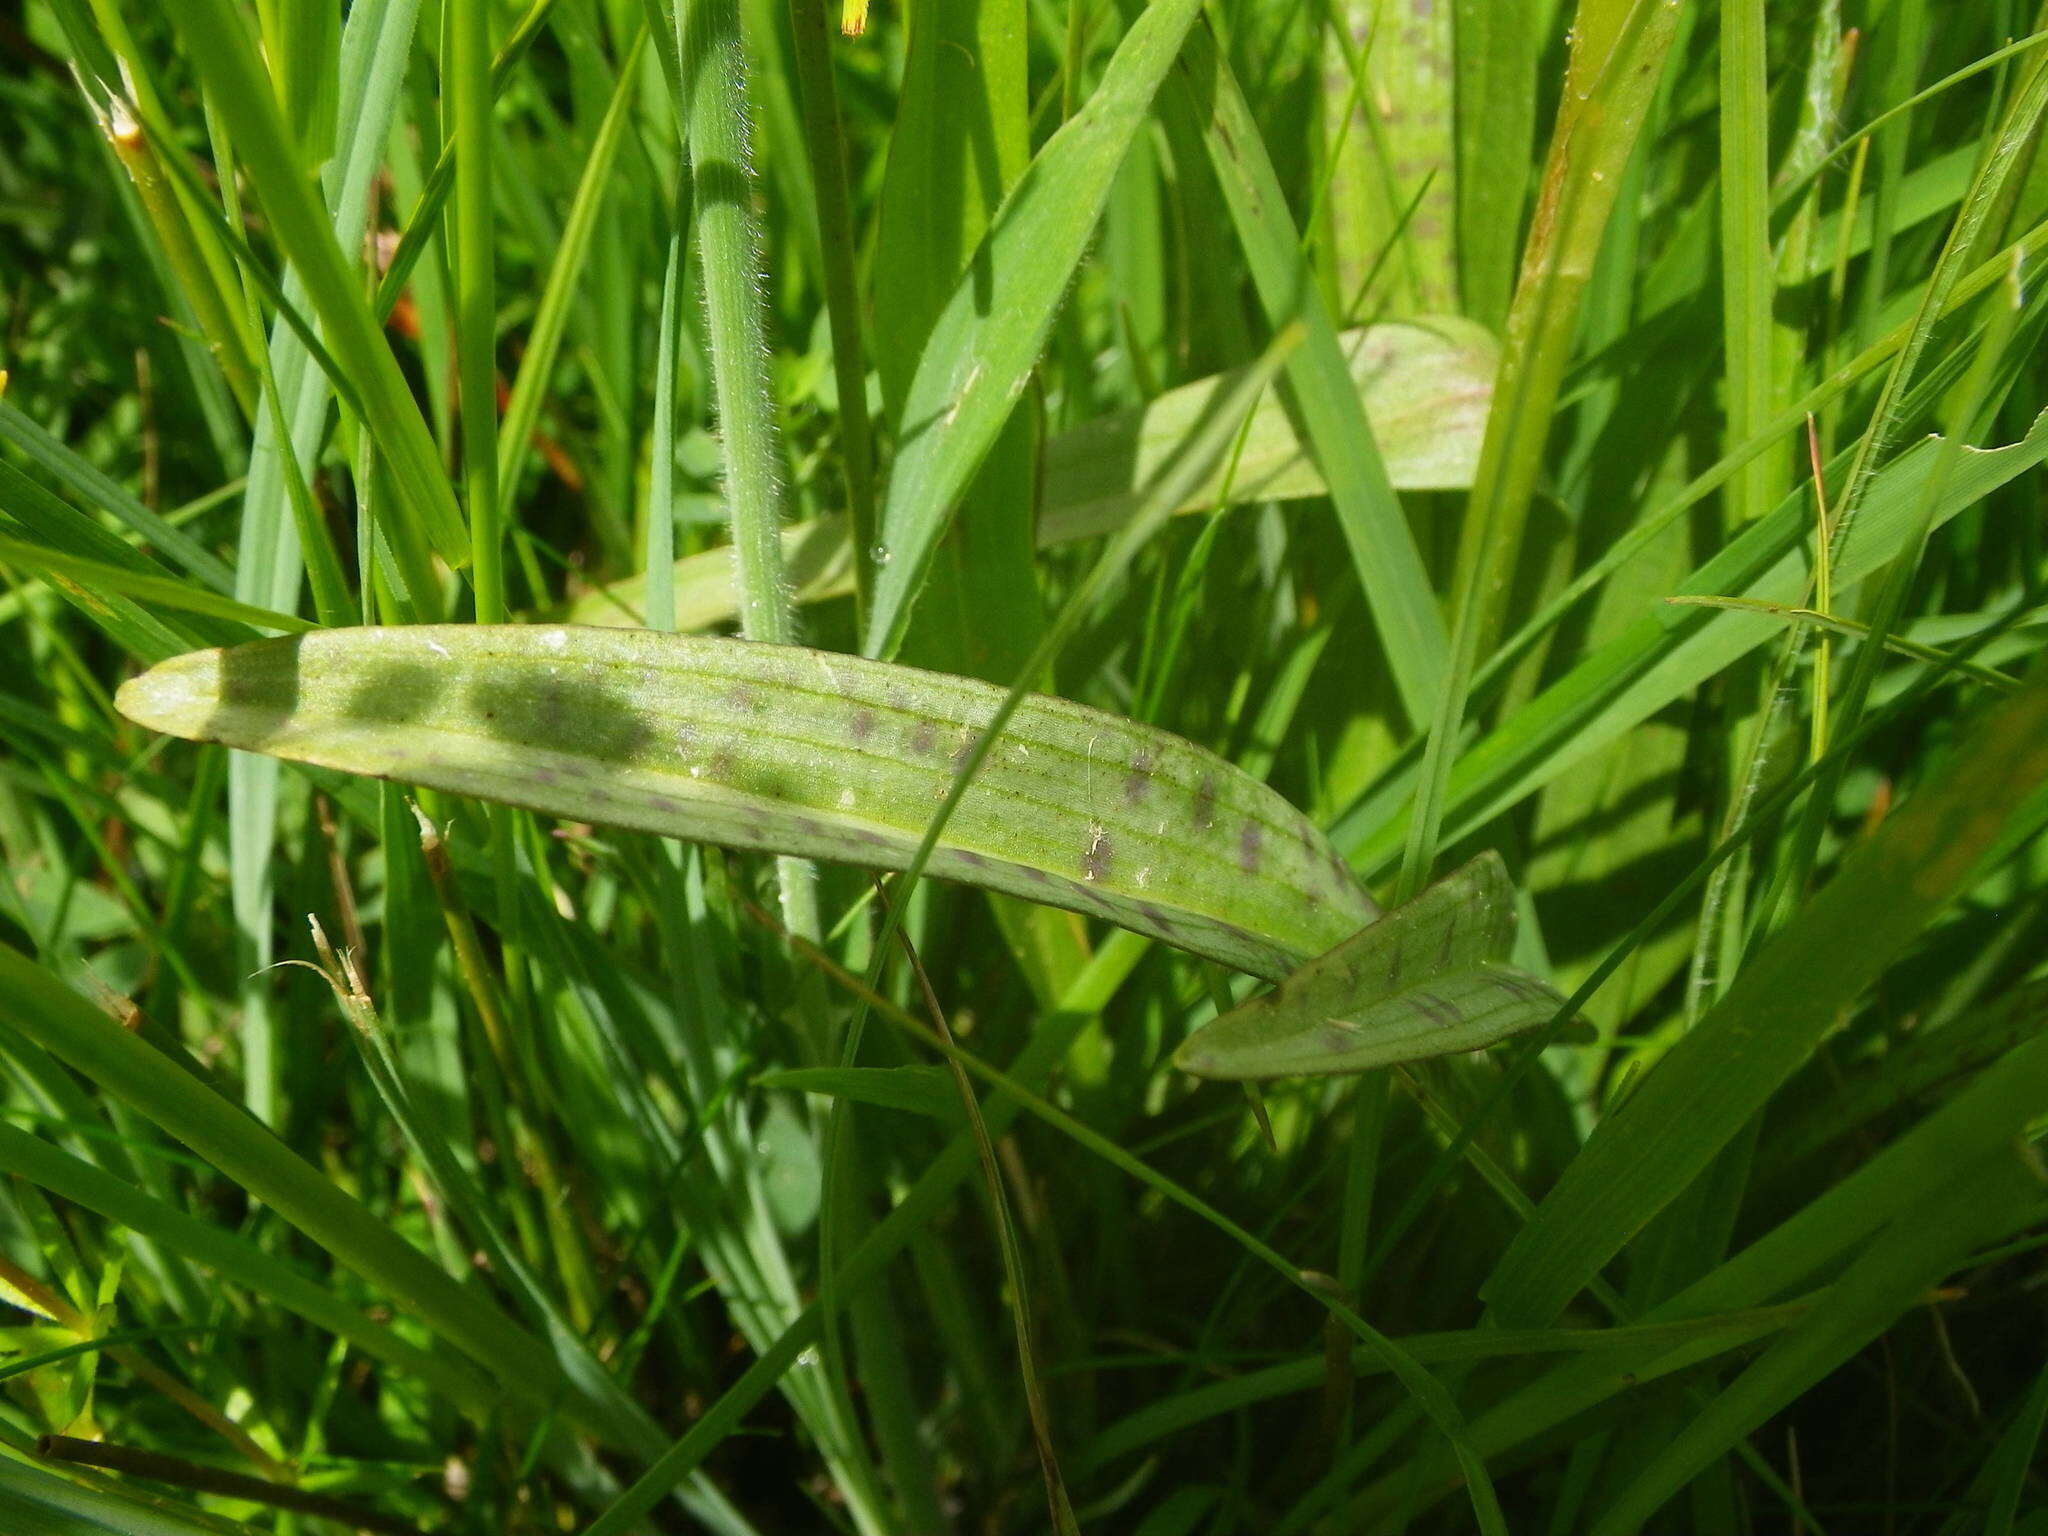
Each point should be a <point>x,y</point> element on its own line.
<point>1425,385</point>
<point>1427,979</point>
<point>987,339</point>
<point>1722,1072</point>
<point>793,751</point>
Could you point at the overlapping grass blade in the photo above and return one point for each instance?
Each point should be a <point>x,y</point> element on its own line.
<point>988,337</point>
<point>36,1503</point>
<point>1773,1014</point>
<point>1662,656</point>
<point>1401,598</point>
<point>1425,385</point>
<point>240,91</point>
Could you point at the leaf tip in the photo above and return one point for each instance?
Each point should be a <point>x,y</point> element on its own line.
<point>176,697</point>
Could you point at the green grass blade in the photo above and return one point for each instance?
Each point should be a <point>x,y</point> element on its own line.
<point>1983,1203</point>
<point>987,339</point>
<point>551,316</point>
<point>122,1065</point>
<point>466,87</point>
<point>1772,1015</point>
<point>825,138</point>
<point>34,1503</point>
<point>1425,385</point>
<point>1390,570</point>
<point>1496,49</point>
<point>1748,280</point>
<point>1662,656</point>
<point>241,92</point>
<point>161,591</point>
<point>237,1260</point>
<point>94,485</point>
<point>1618,49</point>
<point>790,751</point>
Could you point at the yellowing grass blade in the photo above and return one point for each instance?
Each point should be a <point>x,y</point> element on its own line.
<point>787,750</point>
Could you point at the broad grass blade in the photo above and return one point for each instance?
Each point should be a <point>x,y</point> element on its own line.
<point>1703,1091</point>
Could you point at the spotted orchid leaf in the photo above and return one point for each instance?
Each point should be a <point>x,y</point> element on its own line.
<point>786,750</point>
<point>1429,978</point>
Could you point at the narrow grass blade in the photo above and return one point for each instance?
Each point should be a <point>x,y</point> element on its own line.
<point>792,751</point>
<point>551,315</point>
<point>1428,978</point>
<point>238,1261</point>
<point>161,591</point>
<point>1898,644</point>
<point>240,91</point>
<point>34,1503</point>
<point>103,493</point>
<point>825,137</point>
<point>1665,654</point>
<point>1497,52</point>
<point>124,1066</point>
<point>1425,385</point>
<point>1982,1203</point>
<point>1402,599</point>
<point>466,87</point>
<point>986,340</point>
<point>1722,1072</point>
<point>1618,49</point>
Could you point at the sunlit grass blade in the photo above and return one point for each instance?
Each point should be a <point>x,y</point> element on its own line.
<point>1425,385</point>
<point>1401,598</point>
<point>1771,1016</point>
<point>240,90</point>
<point>1661,656</point>
<point>162,591</point>
<point>102,492</point>
<point>544,337</point>
<point>987,339</point>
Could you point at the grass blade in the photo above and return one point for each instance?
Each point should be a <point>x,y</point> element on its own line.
<point>986,340</point>
<point>240,90</point>
<point>1772,1015</point>
<point>1425,385</point>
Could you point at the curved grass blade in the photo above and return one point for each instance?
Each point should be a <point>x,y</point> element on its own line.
<point>786,750</point>
<point>1428,978</point>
